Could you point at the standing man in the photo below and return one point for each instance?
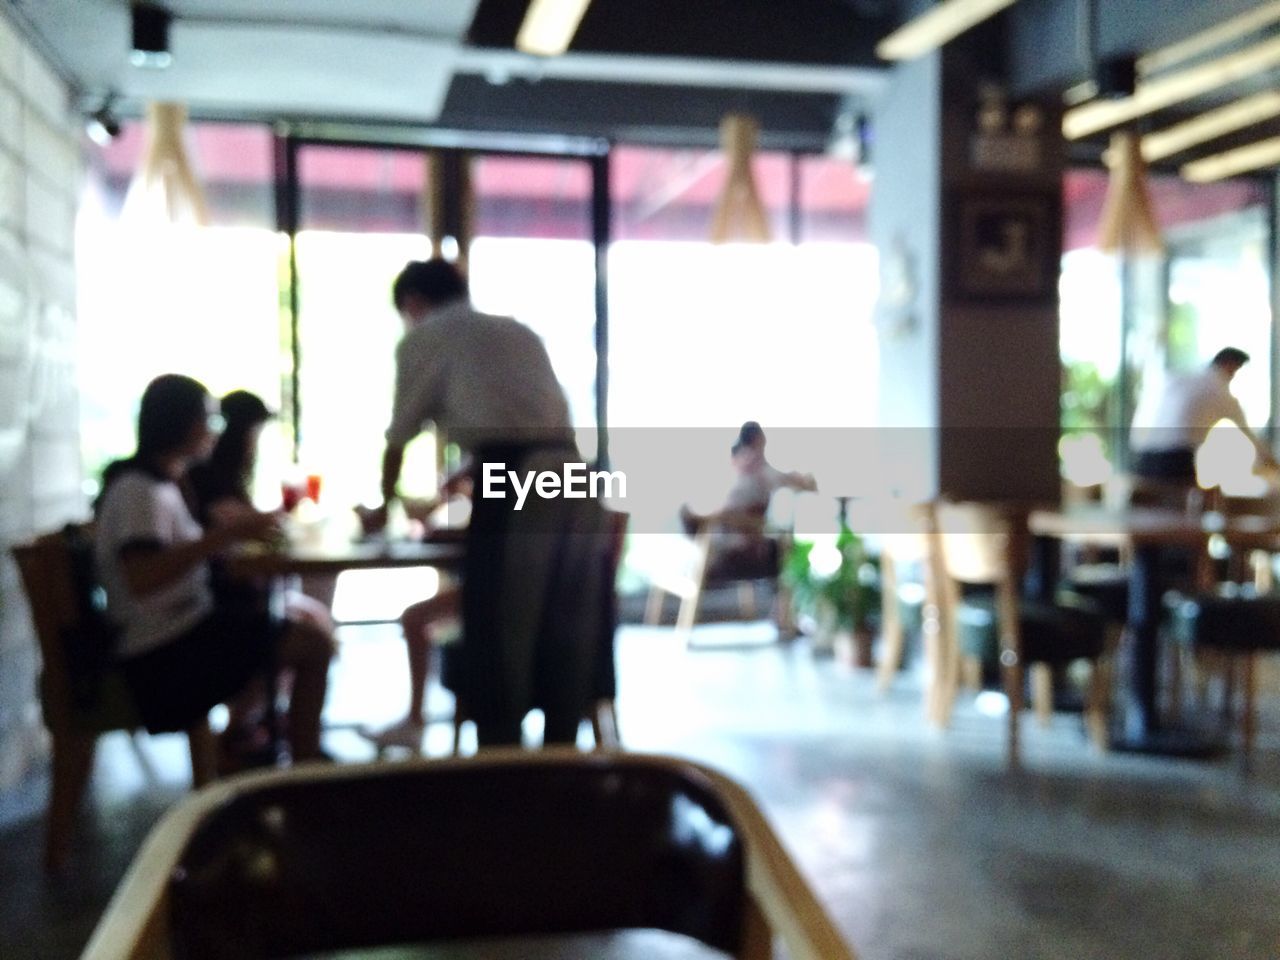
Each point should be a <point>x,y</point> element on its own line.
<point>1170,426</point>
<point>487,382</point>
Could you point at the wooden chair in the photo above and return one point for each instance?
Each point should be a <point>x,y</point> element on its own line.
<point>978,545</point>
<point>690,580</point>
<point>79,701</point>
<point>604,711</point>
<point>506,844</point>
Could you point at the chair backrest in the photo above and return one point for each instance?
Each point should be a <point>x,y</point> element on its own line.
<point>424,854</point>
<point>975,542</point>
<point>75,638</point>
<point>45,567</point>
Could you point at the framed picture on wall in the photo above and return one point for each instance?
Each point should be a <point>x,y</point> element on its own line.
<point>1004,247</point>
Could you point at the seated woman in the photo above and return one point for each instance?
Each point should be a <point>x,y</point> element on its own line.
<point>738,548</point>
<point>219,491</point>
<point>421,623</point>
<point>181,652</point>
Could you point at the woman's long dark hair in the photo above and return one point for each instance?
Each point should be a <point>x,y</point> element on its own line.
<point>171,406</point>
<point>231,461</point>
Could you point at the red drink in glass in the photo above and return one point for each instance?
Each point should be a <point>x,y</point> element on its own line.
<point>291,493</point>
<point>313,487</point>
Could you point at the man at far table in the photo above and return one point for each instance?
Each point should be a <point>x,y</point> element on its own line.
<point>1171,424</point>
<point>531,618</point>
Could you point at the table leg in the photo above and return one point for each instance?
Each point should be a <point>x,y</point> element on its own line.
<point>1139,729</point>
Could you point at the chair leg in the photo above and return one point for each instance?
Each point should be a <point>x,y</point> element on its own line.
<point>72,763</point>
<point>1249,718</point>
<point>687,616</point>
<point>653,606</point>
<point>604,724</point>
<point>1176,683</point>
<point>204,754</point>
<point>1014,678</point>
<point>1042,693</point>
<point>1097,709</point>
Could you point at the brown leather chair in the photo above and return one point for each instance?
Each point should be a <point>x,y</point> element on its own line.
<point>82,695</point>
<point>691,580</point>
<point>505,844</point>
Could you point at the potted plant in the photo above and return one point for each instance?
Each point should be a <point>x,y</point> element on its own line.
<point>835,586</point>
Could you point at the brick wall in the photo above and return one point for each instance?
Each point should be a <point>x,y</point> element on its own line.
<point>40,488</point>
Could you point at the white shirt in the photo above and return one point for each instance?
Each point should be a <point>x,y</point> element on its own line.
<point>1179,416</point>
<point>480,378</point>
<point>139,508</point>
<point>755,485</point>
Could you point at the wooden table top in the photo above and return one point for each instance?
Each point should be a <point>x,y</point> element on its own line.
<point>1153,526</point>
<point>333,558</point>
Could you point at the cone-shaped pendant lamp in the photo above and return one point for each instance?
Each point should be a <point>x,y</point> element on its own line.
<point>165,189</point>
<point>1128,222</point>
<point>739,214</point>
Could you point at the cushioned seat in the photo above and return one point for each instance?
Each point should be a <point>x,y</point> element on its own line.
<point>1073,628</point>
<point>1106,584</point>
<point>1233,618</point>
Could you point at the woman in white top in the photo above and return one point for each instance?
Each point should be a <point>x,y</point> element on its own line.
<point>181,654</point>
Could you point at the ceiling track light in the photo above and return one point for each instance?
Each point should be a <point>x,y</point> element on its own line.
<point>930,30</point>
<point>150,23</point>
<point>549,26</point>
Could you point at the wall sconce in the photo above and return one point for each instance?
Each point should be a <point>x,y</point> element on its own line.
<point>150,36</point>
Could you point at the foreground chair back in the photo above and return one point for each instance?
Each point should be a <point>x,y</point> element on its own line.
<point>82,694</point>
<point>505,844</point>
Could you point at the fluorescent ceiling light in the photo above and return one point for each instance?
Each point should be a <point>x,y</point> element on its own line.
<point>1209,126</point>
<point>549,26</point>
<point>1220,35</point>
<point>1264,153</point>
<point>1172,88</point>
<point>935,27</point>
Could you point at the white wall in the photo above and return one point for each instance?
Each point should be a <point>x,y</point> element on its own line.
<point>40,171</point>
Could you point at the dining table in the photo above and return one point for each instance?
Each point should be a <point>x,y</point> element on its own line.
<point>333,556</point>
<point>276,564</point>
<point>1151,535</point>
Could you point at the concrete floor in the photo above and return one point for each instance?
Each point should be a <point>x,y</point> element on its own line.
<point>919,842</point>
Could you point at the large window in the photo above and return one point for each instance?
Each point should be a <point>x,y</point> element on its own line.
<point>158,298</point>
<point>1128,324</point>
<point>705,336</point>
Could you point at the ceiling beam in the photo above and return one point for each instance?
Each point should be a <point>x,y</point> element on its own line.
<point>1217,36</point>
<point>930,30</point>
<point>1170,89</point>
<point>1255,156</point>
<point>499,66</point>
<point>1209,126</point>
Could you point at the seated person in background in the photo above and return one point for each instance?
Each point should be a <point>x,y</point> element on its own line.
<point>419,620</point>
<point>181,652</point>
<point>219,490</point>
<point>739,548</point>
<point>1170,425</point>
